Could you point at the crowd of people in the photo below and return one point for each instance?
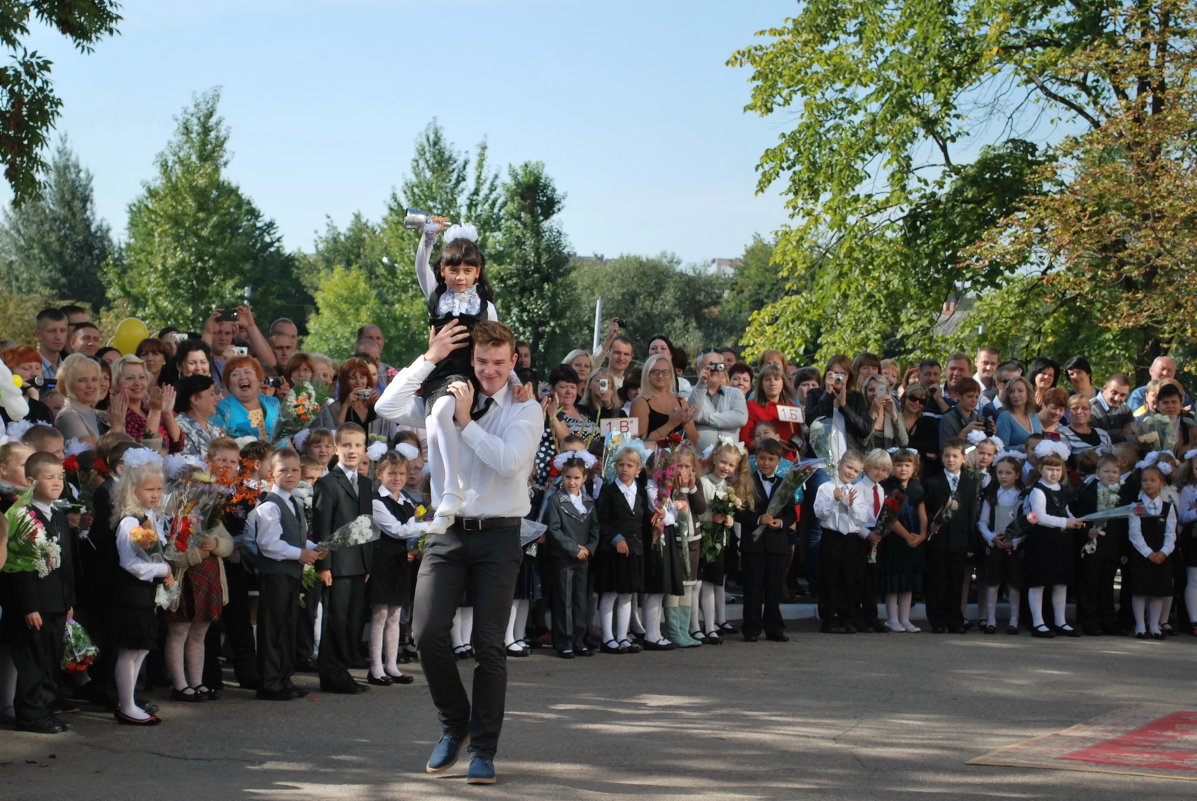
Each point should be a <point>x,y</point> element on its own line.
<point>868,484</point>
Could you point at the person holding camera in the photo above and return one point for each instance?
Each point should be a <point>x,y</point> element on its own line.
<point>221,330</point>
<point>840,402</point>
<point>888,430</point>
<point>963,418</point>
<point>720,411</point>
<point>356,397</point>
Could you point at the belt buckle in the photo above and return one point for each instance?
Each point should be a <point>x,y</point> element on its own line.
<point>471,524</point>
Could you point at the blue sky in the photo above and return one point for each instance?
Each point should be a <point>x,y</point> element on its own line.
<point>629,105</point>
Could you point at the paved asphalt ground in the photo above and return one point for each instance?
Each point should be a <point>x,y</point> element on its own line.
<point>865,716</point>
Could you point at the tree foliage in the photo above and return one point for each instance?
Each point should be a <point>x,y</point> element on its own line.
<point>28,105</point>
<point>55,245</point>
<point>196,241</point>
<point>654,295</point>
<point>913,140</point>
<point>531,264</point>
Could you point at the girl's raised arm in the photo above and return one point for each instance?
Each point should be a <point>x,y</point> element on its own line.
<point>424,273</point>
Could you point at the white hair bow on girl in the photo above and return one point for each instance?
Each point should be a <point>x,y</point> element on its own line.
<point>1052,446</point>
<point>586,457</point>
<point>407,450</point>
<point>138,457</point>
<point>461,231</point>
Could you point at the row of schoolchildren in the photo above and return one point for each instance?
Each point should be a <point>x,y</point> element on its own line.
<point>1016,520</point>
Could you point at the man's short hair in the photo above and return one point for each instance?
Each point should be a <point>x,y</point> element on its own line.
<point>925,363</point>
<point>622,338</point>
<point>1008,365</point>
<point>282,321</point>
<point>491,334</point>
<point>50,315</point>
<point>1118,378</point>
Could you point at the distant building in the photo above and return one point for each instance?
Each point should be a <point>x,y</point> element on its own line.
<point>723,267</point>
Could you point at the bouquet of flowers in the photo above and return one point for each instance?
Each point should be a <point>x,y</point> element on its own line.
<point>79,651</point>
<point>359,531</point>
<point>669,511</point>
<point>943,516</point>
<point>29,549</point>
<point>891,507</point>
<point>1130,509</point>
<point>301,407</point>
<point>714,535</point>
<point>194,506</point>
<point>791,483</point>
<point>1107,499</point>
<point>81,476</point>
<point>820,443</point>
<point>1158,432</point>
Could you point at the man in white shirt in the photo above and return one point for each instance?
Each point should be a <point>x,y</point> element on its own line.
<point>987,360</point>
<point>481,550</point>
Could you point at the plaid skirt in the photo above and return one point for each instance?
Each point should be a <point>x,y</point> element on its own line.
<point>203,594</point>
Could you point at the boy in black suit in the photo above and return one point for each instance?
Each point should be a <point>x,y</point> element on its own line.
<point>36,608</point>
<point>952,503</point>
<point>765,549</point>
<point>341,496</point>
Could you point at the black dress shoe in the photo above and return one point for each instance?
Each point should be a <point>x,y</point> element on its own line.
<point>957,630</point>
<point>379,681</point>
<point>939,629</point>
<point>188,696</point>
<point>777,637</point>
<point>403,678</point>
<point>343,688</point>
<point>660,645</point>
<point>750,637</point>
<point>62,724</point>
<point>298,692</point>
<point>306,666</point>
<point>727,628</point>
<point>275,695</point>
<point>583,651</point>
<point>613,647</point>
<point>631,647</point>
<point>566,654</point>
<point>1043,632</point>
<point>46,725</point>
<point>1012,629</point>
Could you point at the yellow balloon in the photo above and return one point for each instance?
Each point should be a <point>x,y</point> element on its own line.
<point>128,335</point>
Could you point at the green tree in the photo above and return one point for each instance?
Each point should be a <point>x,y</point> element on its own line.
<point>910,144</point>
<point>28,105</point>
<point>532,262</point>
<point>55,245</point>
<point>654,296</point>
<point>195,240</point>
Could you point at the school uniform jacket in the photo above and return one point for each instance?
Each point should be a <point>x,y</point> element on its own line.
<point>55,593</point>
<point>770,540</point>
<point>617,520</point>
<point>958,535</point>
<point>569,528</point>
<point>335,505</point>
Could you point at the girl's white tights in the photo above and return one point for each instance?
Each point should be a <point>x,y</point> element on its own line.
<point>1150,622</point>
<point>462,632</point>
<point>1191,594</point>
<point>185,654</point>
<point>517,621</point>
<point>445,472</point>
<point>707,600</point>
<point>615,611</point>
<point>128,665</point>
<point>991,594</point>
<point>1059,604</point>
<point>652,618</point>
<point>897,609</point>
<point>384,640</point>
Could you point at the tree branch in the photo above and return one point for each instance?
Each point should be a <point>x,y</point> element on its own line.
<point>1052,95</point>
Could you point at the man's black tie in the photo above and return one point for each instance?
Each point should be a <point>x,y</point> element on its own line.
<point>478,414</point>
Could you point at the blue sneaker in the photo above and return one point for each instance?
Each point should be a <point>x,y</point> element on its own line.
<point>482,771</point>
<point>445,752</point>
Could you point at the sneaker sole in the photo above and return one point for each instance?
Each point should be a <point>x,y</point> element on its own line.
<point>428,766</point>
<point>476,780</point>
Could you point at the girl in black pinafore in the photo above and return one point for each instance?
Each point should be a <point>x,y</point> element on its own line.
<point>458,290</point>
<point>1153,539</point>
<point>1049,544</point>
